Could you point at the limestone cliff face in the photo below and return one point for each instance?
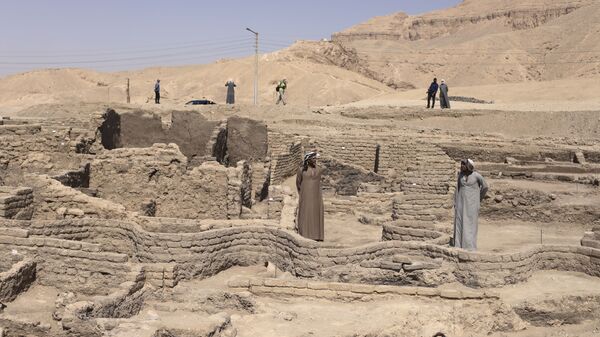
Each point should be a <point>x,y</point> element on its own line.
<point>514,15</point>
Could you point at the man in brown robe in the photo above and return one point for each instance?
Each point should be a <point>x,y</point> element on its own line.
<point>310,218</point>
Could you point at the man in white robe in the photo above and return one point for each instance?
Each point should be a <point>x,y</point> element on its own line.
<point>470,191</point>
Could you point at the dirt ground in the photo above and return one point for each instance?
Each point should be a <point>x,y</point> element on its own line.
<point>300,317</point>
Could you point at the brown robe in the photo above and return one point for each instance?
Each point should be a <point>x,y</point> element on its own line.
<point>310,218</point>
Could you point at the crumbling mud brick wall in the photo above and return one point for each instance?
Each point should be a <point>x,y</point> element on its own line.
<point>362,203</point>
<point>16,280</point>
<point>592,239</point>
<point>422,207</point>
<point>53,200</point>
<point>345,179</point>
<point>248,242</point>
<point>66,264</point>
<point>32,148</point>
<point>285,165</point>
<point>407,164</point>
<point>16,203</point>
<point>246,140</point>
<point>159,174</point>
<point>286,153</point>
<point>413,231</point>
<point>138,129</point>
<point>348,149</point>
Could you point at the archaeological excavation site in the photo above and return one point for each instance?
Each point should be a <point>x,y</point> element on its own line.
<point>117,221</point>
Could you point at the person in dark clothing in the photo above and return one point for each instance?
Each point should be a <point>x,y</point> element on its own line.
<point>230,92</point>
<point>433,88</point>
<point>157,92</point>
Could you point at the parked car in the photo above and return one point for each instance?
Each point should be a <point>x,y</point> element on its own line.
<point>200,102</point>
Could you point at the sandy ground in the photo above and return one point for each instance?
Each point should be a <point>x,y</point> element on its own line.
<point>300,317</point>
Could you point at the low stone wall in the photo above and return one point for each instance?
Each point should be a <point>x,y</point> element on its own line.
<point>66,264</point>
<point>16,203</point>
<point>365,203</point>
<point>422,207</point>
<point>80,317</point>
<point>348,291</point>
<point>16,280</point>
<point>206,253</point>
<point>20,130</point>
<point>592,239</point>
<point>413,231</point>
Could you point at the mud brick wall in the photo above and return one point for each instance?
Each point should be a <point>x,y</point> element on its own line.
<point>592,239</point>
<point>286,153</point>
<point>48,150</point>
<point>16,203</point>
<point>422,207</point>
<point>80,318</point>
<point>370,203</point>
<point>286,165</point>
<point>351,150</point>
<point>70,265</point>
<point>131,175</point>
<point>248,242</point>
<point>409,165</point>
<point>204,192</point>
<point>16,280</point>
<point>53,200</point>
<point>20,130</point>
<point>413,231</point>
<point>260,180</point>
<point>499,151</point>
<point>159,173</point>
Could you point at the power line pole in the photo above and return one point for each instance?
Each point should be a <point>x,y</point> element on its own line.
<point>255,65</point>
<point>128,97</point>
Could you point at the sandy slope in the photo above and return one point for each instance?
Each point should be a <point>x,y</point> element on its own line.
<point>309,84</point>
<point>484,41</point>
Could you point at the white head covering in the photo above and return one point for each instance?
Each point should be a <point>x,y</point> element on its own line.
<point>469,164</point>
<point>311,154</point>
<point>443,81</point>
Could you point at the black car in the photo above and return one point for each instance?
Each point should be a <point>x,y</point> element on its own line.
<point>200,102</point>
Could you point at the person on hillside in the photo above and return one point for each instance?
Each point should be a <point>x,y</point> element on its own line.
<point>471,188</point>
<point>157,92</point>
<point>444,101</point>
<point>310,219</point>
<point>230,92</point>
<point>431,92</point>
<point>280,89</point>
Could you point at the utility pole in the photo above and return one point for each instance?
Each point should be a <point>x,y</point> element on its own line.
<point>255,65</point>
<point>128,97</point>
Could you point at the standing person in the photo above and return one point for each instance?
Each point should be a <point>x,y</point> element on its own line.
<point>280,88</point>
<point>470,191</point>
<point>310,218</point>
<point>157,92</point>
<point>431,92</point>
<point>230,92</point>
<point>444,101</point>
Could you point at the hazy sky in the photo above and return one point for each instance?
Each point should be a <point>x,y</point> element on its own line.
<point>131,34</point>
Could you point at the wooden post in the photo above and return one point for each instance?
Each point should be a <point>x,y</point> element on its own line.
<point>128,97</point>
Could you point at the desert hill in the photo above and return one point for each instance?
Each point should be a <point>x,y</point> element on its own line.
<point>310,84</point>
<point>477,43</point>
<point>481,42</point>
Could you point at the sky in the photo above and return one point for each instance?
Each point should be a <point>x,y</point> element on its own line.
<point>110,35</point>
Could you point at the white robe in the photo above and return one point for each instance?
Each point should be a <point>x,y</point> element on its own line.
<point>470,190</point>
